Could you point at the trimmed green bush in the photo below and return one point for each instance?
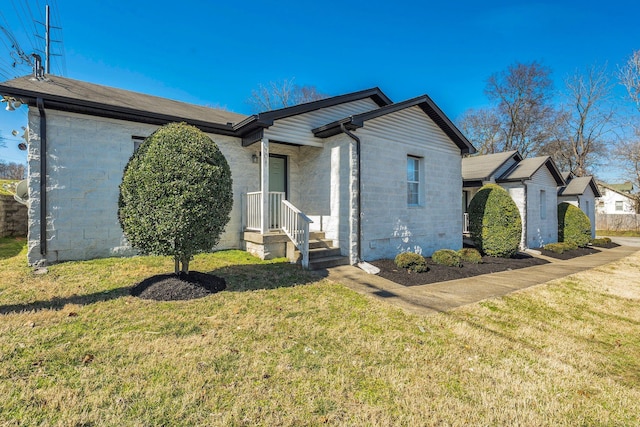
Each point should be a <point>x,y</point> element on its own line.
<point>494,222</point>
<point>175,195</point>
<point>573,225</point>
<point>411,261</point>
<point>470,255</point>
<point>560,247</point>
<point>600,241</point>
<point>446,257</point>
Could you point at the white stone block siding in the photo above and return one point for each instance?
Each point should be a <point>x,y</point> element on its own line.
<point>86,156</point>
<point>326,183</point>
<point>536,230</point>
<point>389,225</point>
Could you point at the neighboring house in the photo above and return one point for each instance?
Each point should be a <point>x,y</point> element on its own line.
<point>532,183</point>
<point>581,191</point>
<point>376,177</point>
<point>616,199</point>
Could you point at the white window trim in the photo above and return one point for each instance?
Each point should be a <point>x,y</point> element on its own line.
<point>418,164</point>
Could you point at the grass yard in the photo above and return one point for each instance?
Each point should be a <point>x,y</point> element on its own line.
<point>284,347</point>
<point>7,182</point>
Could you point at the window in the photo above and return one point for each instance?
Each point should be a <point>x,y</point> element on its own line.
<point>543,204</point>
<point>413,181</point>
<point>618,205</point>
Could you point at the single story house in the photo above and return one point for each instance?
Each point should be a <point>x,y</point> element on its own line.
<point>616,199</point>
<point>532,183</point>
<point>372,177</point>
<point>581,191</point>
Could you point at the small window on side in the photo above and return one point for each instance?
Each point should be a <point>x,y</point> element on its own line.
<point>413,181</point>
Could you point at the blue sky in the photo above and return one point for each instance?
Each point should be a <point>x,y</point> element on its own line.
<point>215,53</point>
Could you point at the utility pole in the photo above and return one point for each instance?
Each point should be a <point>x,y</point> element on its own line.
<point>47,41</point>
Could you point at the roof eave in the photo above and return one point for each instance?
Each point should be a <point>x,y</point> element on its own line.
<point>72,105</point>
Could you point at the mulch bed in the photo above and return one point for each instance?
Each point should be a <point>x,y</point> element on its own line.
<point>441,273</point>
<point>568,254</point>
<point>172,287</point>
<point>607,245</point>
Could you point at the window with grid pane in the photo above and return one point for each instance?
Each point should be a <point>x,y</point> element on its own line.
<point>413,181</point>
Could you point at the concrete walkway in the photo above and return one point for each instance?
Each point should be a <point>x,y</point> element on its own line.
<point>443,296</point>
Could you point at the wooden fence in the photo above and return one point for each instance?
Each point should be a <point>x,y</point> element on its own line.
<point>618,222</point>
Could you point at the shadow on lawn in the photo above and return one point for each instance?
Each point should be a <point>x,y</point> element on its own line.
<point>251,277</point>
<point>11,246</point>
<point>239,278</point>
<point>59,303</point>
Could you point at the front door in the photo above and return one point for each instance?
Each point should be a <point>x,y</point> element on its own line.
<point>278,173</point>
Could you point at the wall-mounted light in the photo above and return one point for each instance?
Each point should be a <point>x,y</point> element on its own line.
<point>12,103</point>
<point>255,158</point>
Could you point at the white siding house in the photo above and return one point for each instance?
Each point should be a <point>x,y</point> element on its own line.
<point>375,178</point>
<point>613,200</point>
<point>532,184</point>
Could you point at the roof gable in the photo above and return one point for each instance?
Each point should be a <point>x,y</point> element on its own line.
<point>610,187</point>
<point>426,105</point>
<point>527,168</point>
<point>482,168</point>
<point>577,186</point>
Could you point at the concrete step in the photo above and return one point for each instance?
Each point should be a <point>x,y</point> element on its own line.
<point>316,235</point>
<point>327,262</point>
<point>320,243</point>
<point>318,253</point>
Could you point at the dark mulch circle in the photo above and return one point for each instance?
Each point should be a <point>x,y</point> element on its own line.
<point>172,287</point>
<point>441,273</point>
<point>568,254</point>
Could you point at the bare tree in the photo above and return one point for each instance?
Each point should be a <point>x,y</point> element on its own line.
<point>282,94</point>
<point>523,93</point>
<point>627,152</point>
<point>629,76</point>
<point>482,128</point>
<point>584,130</point>
<point>12,170</point>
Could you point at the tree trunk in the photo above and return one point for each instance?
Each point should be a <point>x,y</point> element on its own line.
<point>185,265</point>
<point>177,265</point>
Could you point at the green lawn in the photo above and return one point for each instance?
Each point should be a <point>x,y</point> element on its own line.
<point>282,346</point>
<point>9,182</point>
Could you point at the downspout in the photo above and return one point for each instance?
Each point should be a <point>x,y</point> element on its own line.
<point>358,197</point>
<point>526,209</point>
<point>43,177</point>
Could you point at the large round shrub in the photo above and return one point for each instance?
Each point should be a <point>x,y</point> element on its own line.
<point>573,225</point>
<point>494,222</point>
<point>175,195</point>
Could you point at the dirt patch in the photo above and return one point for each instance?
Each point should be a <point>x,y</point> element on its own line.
<point>172,287</point>
<point>568,254</point>
<point>441,273</point>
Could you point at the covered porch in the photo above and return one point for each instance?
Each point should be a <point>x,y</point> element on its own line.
<point>273,226</point>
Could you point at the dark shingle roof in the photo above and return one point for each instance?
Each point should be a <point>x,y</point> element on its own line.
<point>78,96</point>
<point>481,168</point>
<point>578,185</point>
<point>526,168</point>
